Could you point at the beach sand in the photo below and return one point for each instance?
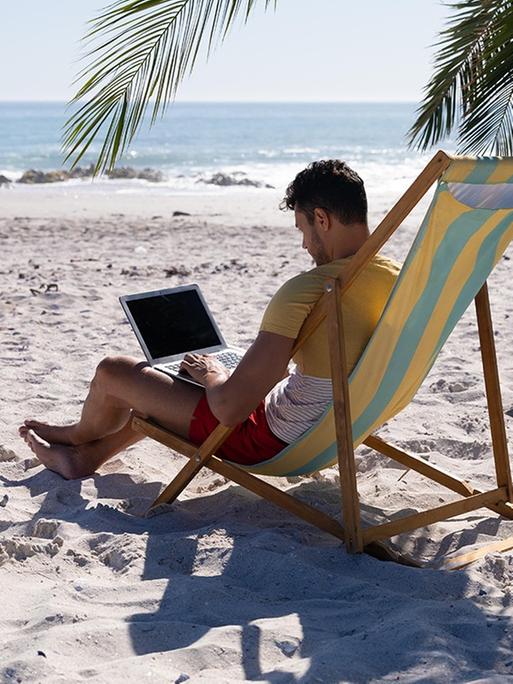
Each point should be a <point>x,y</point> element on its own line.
<point>223,587</point>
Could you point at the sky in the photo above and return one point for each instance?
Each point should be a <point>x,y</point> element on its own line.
<point>305,50</point>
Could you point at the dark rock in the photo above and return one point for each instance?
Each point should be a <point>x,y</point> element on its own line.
<point>82,171</point>
<point>224,179</point>
<point>509,412</point>
<point>129,172</point>
<point>177,270</point>
<point>151,175</point>
<point>122,172</point>
<point>4,180</point>
<point>32,176</point>
<point>181,213</point>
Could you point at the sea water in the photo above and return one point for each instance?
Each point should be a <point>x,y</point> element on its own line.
<point>263,142</point>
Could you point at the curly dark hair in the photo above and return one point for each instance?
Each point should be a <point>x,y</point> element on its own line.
<point>330,185</point>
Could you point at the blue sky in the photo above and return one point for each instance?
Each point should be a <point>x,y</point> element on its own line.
<point>306,50</point>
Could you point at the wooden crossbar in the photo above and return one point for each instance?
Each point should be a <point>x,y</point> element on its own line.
<point>450,510</point>
<point>420,465</point>
<point>465,559</point>
<point>434,473</point>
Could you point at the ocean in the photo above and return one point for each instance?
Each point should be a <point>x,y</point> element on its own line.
<point>267,143</point>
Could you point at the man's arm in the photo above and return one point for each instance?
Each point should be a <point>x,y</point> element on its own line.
<point>232,397</point>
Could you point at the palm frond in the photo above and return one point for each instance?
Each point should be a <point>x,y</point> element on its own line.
<point>139,53</point>
<point>471,89</point>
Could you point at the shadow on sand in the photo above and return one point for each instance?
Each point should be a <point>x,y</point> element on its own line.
<point>254,592</point>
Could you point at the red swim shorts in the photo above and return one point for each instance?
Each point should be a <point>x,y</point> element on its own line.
<point>251,441</point>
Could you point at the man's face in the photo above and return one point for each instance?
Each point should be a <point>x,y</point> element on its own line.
<point>312,241</point>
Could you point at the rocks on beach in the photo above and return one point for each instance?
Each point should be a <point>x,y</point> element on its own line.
<point>33,176</point>
<point>36,176</point>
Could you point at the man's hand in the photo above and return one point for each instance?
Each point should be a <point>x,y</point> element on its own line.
<point>264,364</point>
<point>205,369</point>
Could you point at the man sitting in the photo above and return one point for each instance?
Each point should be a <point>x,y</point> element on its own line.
<point>269,406</point>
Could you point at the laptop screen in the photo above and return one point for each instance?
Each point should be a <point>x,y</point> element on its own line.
<point>173,323</point>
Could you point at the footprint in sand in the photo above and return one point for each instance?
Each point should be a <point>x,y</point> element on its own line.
<point>470,424</point>
<point>21,548</point>
<point>117,554</point>
<point>77,558</point>
<point>45,529</point>
<point>7,454</point>
<point>451,387</point>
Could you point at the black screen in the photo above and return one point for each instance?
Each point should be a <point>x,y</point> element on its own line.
<point>173,323</point>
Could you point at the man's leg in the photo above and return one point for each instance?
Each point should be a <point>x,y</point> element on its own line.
<point>120,385</point>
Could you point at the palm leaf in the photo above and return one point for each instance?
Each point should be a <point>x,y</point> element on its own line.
<point>472,87</point>
<point>139,52</point>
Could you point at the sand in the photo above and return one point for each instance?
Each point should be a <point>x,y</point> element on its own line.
<point>222,587</point>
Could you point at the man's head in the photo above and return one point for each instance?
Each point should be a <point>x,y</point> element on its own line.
<point>330,206</point>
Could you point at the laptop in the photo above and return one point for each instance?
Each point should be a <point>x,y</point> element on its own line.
<point>172,322</point>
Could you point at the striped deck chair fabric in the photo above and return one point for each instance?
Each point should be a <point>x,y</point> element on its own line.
<point>467,227</point>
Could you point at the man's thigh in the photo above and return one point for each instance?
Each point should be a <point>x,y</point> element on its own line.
<point>151,393</point>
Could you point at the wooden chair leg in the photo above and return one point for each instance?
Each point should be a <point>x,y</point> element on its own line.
<point>196,461</point>
<point>342,414</point>
<point>493,391</point>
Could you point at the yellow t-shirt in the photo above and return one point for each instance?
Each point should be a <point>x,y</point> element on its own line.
<point>362,305</point>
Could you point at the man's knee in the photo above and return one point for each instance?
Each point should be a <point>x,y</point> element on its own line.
<point>116,367</point>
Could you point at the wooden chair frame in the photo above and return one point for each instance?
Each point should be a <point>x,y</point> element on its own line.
<point>355,537</point>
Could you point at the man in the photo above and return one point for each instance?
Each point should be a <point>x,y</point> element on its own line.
<point>269,406</point>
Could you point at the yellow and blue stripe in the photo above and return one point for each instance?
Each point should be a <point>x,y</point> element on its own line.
<point>453,254</point>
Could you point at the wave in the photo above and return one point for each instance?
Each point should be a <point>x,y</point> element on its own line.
<point>383,177</point>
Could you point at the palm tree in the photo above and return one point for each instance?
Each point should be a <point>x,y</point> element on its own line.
<point>471,90</point>
<point>140,50</point>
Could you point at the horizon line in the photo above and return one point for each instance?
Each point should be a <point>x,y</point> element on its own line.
<point>56,101</point>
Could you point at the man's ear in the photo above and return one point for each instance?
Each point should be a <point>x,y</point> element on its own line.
<point>322,218</point>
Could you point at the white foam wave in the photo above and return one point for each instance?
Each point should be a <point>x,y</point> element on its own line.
<point>301,150</point>
<point>383,178</point>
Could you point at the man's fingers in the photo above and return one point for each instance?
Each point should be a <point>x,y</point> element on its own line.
<point>189,364</point>
<point>192,358</point>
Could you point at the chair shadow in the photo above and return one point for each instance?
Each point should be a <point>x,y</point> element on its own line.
<point>245,588</point>
<point>250,599</point>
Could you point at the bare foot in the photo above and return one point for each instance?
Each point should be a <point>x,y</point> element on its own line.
<point>54,434</point>
<point>64,459</point>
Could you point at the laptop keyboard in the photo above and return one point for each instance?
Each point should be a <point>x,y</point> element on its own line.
<point>229,359</point>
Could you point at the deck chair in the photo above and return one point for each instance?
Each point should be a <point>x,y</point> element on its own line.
<point>467,227</point>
